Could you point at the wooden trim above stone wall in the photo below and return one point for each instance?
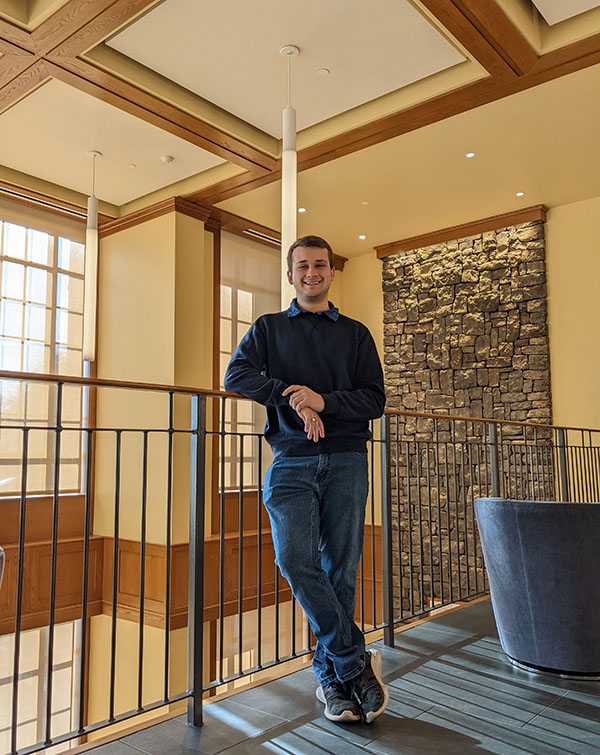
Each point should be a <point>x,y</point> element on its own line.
<point>472,228</point>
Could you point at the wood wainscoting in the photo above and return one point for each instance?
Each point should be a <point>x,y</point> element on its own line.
<point>37,559</point>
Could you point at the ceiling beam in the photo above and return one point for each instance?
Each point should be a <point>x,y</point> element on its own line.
<point>15,60</point>
<point>569,58</point>
<point>16,36</point>
<point>131,99</point>
<point>22,84</point>
<point>233,187</point>
<point>500,32</point>
<point>67,20</point>
<point>473,39</point>
<point>105,18</point>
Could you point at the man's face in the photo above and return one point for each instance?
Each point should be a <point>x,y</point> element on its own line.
<point>311,275</point>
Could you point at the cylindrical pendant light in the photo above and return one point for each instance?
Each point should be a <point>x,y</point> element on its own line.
<point>91,269</point>
<point>289,173</point>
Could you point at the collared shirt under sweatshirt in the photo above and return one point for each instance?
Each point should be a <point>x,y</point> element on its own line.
<point>333,355</point>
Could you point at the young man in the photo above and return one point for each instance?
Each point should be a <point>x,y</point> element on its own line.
<point>319,375</point>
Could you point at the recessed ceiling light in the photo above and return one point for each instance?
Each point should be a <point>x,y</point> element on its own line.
<point>362,237</point>
<point>520,194</point>
<point>365,203</point>
<point>301,209</point>
<point>470,154</point>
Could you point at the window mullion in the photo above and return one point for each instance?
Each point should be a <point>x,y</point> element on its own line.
<point>52,297</point>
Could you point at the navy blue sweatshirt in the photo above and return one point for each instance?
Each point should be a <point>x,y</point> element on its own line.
<point>326,351</point>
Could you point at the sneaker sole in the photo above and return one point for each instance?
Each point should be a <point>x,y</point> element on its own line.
<point>376,666</point>
<point>347,715</point>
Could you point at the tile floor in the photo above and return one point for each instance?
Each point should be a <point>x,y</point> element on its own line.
<point>451,691</point>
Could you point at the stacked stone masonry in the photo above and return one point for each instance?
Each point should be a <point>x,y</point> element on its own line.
<point>465,327</point>
<point>465,333</point>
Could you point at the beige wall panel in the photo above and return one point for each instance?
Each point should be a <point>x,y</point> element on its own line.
<point>357,292</point>
<point>193,356</point>
<point>362,296</point>
<point>136,286</point>
<point>155,325</point>
<point>126,676</point>
<point>193,303</point>
<point>336,292</point>
<point>573,269</point>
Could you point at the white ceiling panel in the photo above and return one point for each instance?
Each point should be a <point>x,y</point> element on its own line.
<point>228,53</point>
<point>555,11</point>
<point>57,125</point>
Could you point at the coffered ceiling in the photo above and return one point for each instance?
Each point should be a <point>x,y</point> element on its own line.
<point>204,83</point>
<point>555,11</point>
<point>348,57</point>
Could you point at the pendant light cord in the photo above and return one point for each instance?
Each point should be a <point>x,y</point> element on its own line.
<point>289,79</point>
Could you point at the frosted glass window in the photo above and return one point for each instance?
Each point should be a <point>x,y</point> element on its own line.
<point>15,240</point>
<point>71,255</point>
<point>41,308</point>
<point>69,294</point>
<point>38,247</point>
<point>11,354</point>
<point>37,286</point>
<point>35,322</point>
<point>245,301</point>
<point>35,357</point>
<point>69,328</point>
<point>12,280</point>
<point>11,319</point>
<point>225,301</point>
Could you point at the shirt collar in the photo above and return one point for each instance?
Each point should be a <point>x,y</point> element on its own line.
<point>333,312</point>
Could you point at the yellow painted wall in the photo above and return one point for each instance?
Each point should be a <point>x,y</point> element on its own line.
<point>155,304</point>
<point>573,270</point>
<point>126,672</point>
<point>356,291</point>
<point>361,296</point>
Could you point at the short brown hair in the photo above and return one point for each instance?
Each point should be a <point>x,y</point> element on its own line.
<point>309,241</point>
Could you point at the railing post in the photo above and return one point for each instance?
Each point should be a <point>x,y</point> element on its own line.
<point>562,466</point>
<point>196,558</point>
<point>386,534</point>
<point>494,465</point>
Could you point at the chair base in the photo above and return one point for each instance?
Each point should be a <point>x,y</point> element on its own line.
<point>583,676</point>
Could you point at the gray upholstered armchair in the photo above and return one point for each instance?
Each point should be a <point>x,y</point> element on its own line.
<point>543,565</point>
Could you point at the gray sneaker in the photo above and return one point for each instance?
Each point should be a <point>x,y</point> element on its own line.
<point>369,688</point>
<point>340,704</point>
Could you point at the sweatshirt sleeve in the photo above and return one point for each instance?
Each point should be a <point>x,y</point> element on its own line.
<point>245,373</point>
<point>367,399</point>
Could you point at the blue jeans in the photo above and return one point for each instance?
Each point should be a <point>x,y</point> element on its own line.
<point>316,505</point>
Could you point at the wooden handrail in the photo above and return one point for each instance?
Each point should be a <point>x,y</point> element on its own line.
<point>403,413</point>
<point>104,383</point>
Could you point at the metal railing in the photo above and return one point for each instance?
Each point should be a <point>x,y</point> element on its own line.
<point>169,479</point>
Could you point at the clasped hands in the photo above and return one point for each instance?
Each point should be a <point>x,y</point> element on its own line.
<point>307,404</point>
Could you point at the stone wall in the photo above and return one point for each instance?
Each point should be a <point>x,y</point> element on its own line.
<point>465,333</point>
<point>465,327</point>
